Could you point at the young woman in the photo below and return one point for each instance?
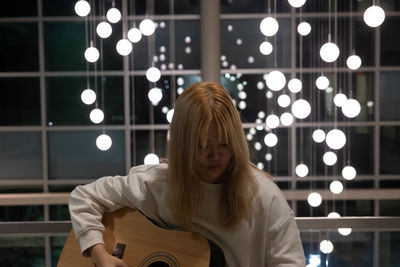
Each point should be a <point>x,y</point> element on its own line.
<point>209,186</point>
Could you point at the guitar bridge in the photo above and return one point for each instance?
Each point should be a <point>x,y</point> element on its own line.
<point>119,250</point>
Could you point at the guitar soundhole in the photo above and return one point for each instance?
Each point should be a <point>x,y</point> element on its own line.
<point>159,264</point>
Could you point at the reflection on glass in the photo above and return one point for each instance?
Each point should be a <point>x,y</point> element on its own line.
<point>22,251</point>
<point>389,96</point>
<point>389,247</point>
<point>389,150</point>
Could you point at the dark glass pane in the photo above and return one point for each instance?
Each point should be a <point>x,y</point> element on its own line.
<point>21,155</point>
<point>358,151</point>
<point>65,107</point>
<point>59,8</point>
<point>339,5</point>
<point>389,247</point>
<point>389,96</point>
<point>19,101</point>
<point>389,183</point>
<point>344,208</point>
<point>75,155</point>
<point>57,244</point>
<point>22,251</point>
<point>15,9</point>
<point>390,150</point>
<point>145,142</point>
<point>162,7</point>
<point>59,213</point>
<point>390,50</point>
<point>253,6</point>
<point>241,46</point>
<point>389,207</point>
<point>21,213</point>
<point>19,50</point>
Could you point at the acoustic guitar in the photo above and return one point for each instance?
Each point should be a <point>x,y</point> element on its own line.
<point>140,243</point>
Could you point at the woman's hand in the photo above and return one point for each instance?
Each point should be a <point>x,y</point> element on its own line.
<point>102,258</point>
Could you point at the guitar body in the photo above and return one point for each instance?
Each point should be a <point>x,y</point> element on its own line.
<point>146,245</point>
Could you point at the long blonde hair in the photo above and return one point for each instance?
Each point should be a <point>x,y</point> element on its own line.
<point>194,110</point>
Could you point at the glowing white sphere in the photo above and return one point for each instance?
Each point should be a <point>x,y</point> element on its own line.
<point>314,199</point>
<point>261,114</point>
<point>155,95</point>
<point>269,26</point>
<point>88,96</point>
<point>301,108</point>
<point>266,48</point>
<point>92,54</point>
<point>301,170</point>
<point>326,246</point>
<point>124,47</point>
<point>349,172</point>
<point>150,159</point>
<point>295,85</point>
<point>351,108</point>
<point>96,115</point>
<point>180,81</point>
<point>242,105</point>
<point>353,62</point>
<point>257,146</point>
<point>336,187</point>
<point>339,99</point>
<point>82,8</point>
<point>329,52</point>
<point>268,157</point>
<point>134,35</point>
<point>103,142</point>
<point>335,139</point>
<point>269,94</point>
<point>344,231</point>
<point>296,3</point>
<point>147,27</point>
<point>329,158</point>
<point>318,136</point>
<point>322,82</point>
<point>374,16</point>
<point>170,115</point>
<point>304,28</point>
<point>113,15</point>
<point>153,74</point>
<point>260,85</point>
<point>333,214</point>
<point>104,29</point>
<point>287,119</point>
<point>272,121</point>
<point>276,80</point>
<point>270,139</point>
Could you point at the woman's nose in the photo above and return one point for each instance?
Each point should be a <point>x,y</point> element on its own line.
<point>215,153</point>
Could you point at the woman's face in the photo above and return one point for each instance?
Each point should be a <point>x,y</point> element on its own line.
<point>215,157</point>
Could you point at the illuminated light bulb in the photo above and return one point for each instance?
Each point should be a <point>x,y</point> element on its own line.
<point>269,94</point>
<point>88,96</point>
<point>301,170</point>
<point>301,108</point>
<point>113,15</point>
<point>335,139</point>
<point>269,26</point>
<point>147,27</point>
<point>296,3</point>
<point>322,82</point>
<point>314,199</point>
<point>170,115</point>
<point>268,157</point>
<point>326,246</point>
<point>124,47</point>
<point>270,139</point>
<point>353,62</point>
<point>287,119</point>
<point>82,8</point>
<point>261,115</point>
<point>249,137</point>
<point>276,80</point>
<point>96,115</point>
<point>336,187</point>
<point>188,39</point>
<point>349,172</point>
<point>151,159</point>
<point>318,136</point>
<point>374,16</point>
<point>272,121</point>
<point>283,100</point>
<point>351,108</point>
<point>103,142</point>
<point>344,231</point>
<point>242,95</point>
<point>266,48</point>
<point>340,99</point>
<point>92,54</point>
<point>104,29</point>
<point>155,95</point>
<point>134,35</point>
<point>153,74</point>
<point>329,158</point>
<point>188,50</point>
<point>257,146</point>
<point>260,85</point>
<point>180,81</point>
<point>295,85</point>
<point>260,165</point>
<point>242,105</point>
<point>304,28</point>
<point>333,214</point>
<point>329,52</point>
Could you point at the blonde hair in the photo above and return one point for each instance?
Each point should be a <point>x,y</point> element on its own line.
<point>198,105</point>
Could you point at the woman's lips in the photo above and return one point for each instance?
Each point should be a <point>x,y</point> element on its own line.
<point>214,167</point>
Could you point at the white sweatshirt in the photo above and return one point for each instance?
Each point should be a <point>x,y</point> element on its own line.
<point>270,239</point>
